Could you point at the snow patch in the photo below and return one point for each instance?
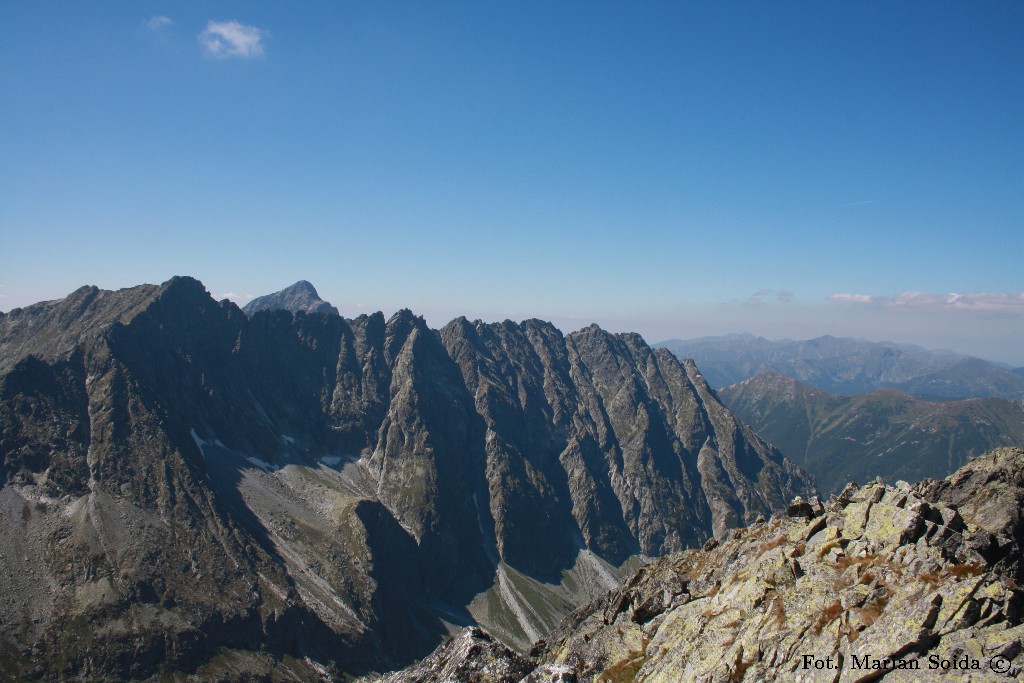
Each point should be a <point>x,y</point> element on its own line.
<point>200,443</point>
<point>288,440</point>
<point>331,460</point>
<point>262,464</point>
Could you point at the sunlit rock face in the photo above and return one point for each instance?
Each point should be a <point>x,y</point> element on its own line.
<point>187,488</point>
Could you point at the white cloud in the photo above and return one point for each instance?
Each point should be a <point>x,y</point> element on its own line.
<point>990,302</point>
<point>986,301</point>
<point>158,22</point>
<point>232,39</point>
<point>237,298</point>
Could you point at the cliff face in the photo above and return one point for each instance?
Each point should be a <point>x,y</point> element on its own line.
<point>902,582</point>
<point>598,439</point>
<point>187,488</point>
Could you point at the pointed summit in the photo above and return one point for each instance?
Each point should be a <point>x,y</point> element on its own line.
<point>301,296</point>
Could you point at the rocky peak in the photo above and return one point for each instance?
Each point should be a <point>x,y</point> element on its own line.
<point>989,493</point>
<point>183,285</point>
<point>300,297</point>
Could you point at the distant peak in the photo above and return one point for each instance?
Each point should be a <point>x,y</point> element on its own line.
<point>592,328</point>
<point>183,283</point>
<point>299,297</point>
<point>406,317</point>
<point>180,288</point>
<point>303,285</point>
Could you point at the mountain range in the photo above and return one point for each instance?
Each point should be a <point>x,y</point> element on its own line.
<point>191,491</point>
<point>886,433</point>
<point>850,366</point>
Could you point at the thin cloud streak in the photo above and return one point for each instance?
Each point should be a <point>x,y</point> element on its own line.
<point>987,302</point>
<point>159,22</point>
<point>781,295</point>
<point>854,298</point>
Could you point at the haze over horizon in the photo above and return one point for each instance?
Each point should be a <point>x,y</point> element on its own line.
<point>678,170</point>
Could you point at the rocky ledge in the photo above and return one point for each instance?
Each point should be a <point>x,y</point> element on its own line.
<point>905,583</point>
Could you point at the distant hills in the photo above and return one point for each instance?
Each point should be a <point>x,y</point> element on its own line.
<point>300,297</point>
<point>850,366</point>
<point>968,377</point>
<point>885,432</point>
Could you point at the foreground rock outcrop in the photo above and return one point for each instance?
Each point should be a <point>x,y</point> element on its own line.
<point>473,655</point>
<point>905,583</point>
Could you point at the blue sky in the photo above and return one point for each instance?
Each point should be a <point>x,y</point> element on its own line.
<point>677,169</point>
